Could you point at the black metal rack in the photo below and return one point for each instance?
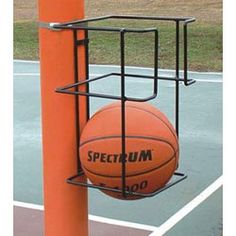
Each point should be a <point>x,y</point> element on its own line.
<point>73,89</point>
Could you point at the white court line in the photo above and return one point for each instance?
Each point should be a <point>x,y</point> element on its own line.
<point>156,231</point>
<point>26,61</point>
<point>209,80</point>
<point>28,205</point>
<point>94,218</point>
<point>198,80</point>
<point>173,220</point>
<point>122,223</point>
<point>133,67</point>
<point>160,70</point>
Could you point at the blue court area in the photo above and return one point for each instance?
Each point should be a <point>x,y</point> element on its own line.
<point>200,148</point>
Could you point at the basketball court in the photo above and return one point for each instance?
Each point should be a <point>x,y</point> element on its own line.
<point>193,207</point>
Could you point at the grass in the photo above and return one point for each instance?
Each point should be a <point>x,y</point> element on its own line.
<point>205,35</point>
<point>26,44</point>
<point>205,45</point>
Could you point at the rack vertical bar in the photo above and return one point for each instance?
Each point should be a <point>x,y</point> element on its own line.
<point>87,70</point>
<point>123,143</point>
<point>177,77</point>
<point>185,56</point>
<point>76,80</point>
<point>156,43</point>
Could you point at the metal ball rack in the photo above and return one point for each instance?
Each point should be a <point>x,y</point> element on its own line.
<point>74,89</point>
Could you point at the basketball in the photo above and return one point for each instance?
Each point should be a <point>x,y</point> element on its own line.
<point>152,149</point>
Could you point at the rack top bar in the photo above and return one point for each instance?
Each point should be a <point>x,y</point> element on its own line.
<point>82,24</point>
<point>105,28</point>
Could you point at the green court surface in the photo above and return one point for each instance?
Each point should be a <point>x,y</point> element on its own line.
<point>200,149</point>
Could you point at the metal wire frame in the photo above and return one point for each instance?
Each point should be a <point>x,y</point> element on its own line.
<point>83,25</point>
<point>76,181</point>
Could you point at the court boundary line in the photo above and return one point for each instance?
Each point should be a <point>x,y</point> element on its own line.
<point>26,61</point>
<point>95,218</point>
<point>156,231</point>
<point>122,223</point>
<point>189,207</point>
<point>28,205</point>
<point>133,67</point>
<point>160,70</point>
<point>93,75</point>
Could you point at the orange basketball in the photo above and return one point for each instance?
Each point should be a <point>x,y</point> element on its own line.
<point>152,149</point>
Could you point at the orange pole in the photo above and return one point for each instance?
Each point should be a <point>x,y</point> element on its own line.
<point>66,211</point>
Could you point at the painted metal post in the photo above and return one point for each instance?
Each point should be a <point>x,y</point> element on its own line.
<point>66,212</point>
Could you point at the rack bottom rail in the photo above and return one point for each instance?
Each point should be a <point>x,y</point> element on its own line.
<point>177,177</point>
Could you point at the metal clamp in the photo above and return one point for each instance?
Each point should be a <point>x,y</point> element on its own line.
<point>82,42</point>
<point>50,26</point>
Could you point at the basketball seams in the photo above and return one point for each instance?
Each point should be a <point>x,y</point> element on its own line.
<point>137,137</point>
<point>133,175</point>
<point>167,125</point>
<point>129,136</point>
<point>141,109</point>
